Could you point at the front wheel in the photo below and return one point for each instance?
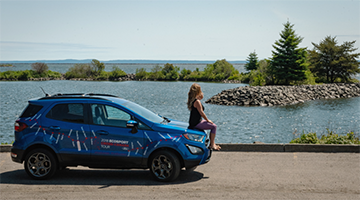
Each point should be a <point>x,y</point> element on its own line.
<point>165,166</point>
<point>40,164</point>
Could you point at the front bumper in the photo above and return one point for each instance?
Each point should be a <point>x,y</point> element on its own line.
<point>205,159</point>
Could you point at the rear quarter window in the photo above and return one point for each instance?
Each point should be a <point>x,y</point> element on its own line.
<point>31,110</point>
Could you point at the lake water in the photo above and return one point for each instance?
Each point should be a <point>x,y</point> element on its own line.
<point>235,124</point>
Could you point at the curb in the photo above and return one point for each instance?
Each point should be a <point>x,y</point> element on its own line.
<point>318,148</point>
<point>5,147</point>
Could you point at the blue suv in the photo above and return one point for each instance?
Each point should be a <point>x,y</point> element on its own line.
<point>103,131</point>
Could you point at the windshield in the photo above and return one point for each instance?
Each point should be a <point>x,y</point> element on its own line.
<point>147,114</point>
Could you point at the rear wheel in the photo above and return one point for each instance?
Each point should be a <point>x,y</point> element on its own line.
<point>40,164</point>
<point>165,166</point>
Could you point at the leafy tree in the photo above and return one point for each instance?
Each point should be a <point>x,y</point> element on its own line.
<point>171,72</point>
<point>39,67</point>
<point>97,66</point>
<point>330,61</point>
<point>288,62</point>
<point>185,73</point>
<point>156,73</point>
<point>220,70</point>
<point>252,62</point>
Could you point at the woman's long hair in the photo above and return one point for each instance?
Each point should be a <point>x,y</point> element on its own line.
<point>195,89</point>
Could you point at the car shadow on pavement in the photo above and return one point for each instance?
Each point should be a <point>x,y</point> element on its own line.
<point>101,177</point>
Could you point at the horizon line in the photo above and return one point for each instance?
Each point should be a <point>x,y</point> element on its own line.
<point>115,60</point>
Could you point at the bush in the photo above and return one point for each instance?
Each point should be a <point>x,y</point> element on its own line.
<point>309,138</point>
<point>25,75</point>
<point>330,138</point>
<point>116,73</point>
<point>141,74</point>
<point>184,74</point>
<point>102,76</point>
<point>170,72</point>
<point>52,74</point>
<point>79,71</point>
<point>39,68</point>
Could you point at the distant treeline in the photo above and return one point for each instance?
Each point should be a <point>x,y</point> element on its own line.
<point>6,65</point>
<point>218,71</point>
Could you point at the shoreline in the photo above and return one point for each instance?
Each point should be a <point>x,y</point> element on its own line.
<point>283,95</point>
<point>128,77</point>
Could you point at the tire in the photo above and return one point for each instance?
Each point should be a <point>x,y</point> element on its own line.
<point>165,166</point>
<point>40,164</point>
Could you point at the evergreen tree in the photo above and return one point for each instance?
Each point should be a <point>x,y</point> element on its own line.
<point>252,62</point>
<point>330,61</point>
<point>288,62</point>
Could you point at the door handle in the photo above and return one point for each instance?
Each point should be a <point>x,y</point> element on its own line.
<point>102,132</point>
<point>56,128</point>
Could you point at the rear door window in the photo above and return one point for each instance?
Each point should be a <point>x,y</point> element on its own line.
<point>71,112</point>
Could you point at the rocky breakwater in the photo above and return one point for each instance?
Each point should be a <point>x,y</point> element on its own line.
<point>284,95</point>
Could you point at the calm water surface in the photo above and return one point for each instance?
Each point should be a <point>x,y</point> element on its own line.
<point>235,124</point>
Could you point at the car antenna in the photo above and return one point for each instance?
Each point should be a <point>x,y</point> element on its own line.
<point>46,94</point>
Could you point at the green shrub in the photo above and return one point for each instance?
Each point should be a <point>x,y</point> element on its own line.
<point>79,71</point>
<point>116,73</point>
<point>141,74</point>
<point>330,138</point>
<point>25,75</point>
<point>52,74</point>
<point>102,76</point>
<point>309,138</point>
<point>184,74</point>
<point>170,72</point>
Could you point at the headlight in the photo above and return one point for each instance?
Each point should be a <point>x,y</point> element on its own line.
<point>194,137</point>
<point>195,150</point>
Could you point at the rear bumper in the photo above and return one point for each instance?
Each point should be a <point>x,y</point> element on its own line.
<point>17,155</point>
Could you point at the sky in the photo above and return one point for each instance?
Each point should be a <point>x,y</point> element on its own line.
<point>167,30</point>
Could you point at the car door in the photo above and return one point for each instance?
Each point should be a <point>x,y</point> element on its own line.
<point>114,144</point>
<point>65,128</point>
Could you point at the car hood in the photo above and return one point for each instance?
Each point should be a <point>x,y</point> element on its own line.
<point>175,125</point>
<point>179,124</point>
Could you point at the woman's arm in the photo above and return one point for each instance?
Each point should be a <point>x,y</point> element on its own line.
<point>198,106</point>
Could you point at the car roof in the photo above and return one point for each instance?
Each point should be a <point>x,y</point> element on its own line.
<point>68,96</point>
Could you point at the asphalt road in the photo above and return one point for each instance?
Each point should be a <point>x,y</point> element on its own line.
<point>229,175</point>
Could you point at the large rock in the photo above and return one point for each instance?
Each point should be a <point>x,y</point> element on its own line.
<point>284,95</point>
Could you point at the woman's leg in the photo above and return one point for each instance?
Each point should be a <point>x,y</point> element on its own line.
<point>204,125</point>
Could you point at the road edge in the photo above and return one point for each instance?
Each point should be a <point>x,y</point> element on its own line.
<point>320,148</point>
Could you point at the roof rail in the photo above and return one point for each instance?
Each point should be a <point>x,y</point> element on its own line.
<point>94,94</point>
<point>76,95</point>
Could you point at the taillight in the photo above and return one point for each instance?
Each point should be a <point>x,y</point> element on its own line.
<point>20,126</point>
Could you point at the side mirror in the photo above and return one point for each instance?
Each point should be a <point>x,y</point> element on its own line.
<point>132,124</point>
